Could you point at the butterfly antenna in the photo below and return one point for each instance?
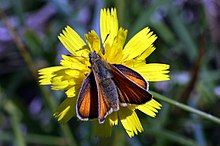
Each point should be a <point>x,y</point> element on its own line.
<point>75,56</point>
<point>83,48</point>
<point>102,48</point>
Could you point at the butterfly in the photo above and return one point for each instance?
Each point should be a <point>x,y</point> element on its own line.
<point>107,87</point>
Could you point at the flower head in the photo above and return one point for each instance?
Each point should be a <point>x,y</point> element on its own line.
<point>73,70</point>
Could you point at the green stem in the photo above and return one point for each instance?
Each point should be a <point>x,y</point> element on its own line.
<point>186,108</point>
<point>15,119</point>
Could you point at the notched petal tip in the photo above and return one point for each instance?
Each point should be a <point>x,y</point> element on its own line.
<point>93,41</point>
<point>46,74</point>
<point>153,72</point>
<point>113,119</point>
<point>108,26</point>
<point>72,41</point>
<point>130,121</point>
<point>138,44</point>
<point>109,11</point>
<point>150,108</point>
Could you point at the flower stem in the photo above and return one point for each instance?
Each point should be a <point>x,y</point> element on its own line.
<point>12,110</point>
<point>186,108</point>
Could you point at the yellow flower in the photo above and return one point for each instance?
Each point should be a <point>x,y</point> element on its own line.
<point>73,70</point>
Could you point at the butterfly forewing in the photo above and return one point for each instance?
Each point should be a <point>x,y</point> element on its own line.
<point>87,102</point>
<point>132,75</point>
<point>104,106</point>
<point>132,88</point>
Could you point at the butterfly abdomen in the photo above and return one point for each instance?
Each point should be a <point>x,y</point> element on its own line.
<point>109,90</point>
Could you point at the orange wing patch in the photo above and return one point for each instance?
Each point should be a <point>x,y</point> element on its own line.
<point>104,107</point>
<point>87,102</point>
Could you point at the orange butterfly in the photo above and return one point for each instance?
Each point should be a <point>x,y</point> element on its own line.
<point>106,87</point>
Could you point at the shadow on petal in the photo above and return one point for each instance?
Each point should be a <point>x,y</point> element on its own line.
<point>66,110</point>
<point>130,121</point>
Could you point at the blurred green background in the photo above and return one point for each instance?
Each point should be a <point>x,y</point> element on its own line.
<point>188,39</point>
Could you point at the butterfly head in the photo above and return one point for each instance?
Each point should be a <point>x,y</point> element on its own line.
<point>93,57</point>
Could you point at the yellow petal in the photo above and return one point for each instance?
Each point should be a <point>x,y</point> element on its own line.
<point>66,110</point>
<point>75,63</point>
<point>151,67</point>
<point>73,42</point>
<point>71,92</point>
<point>154,103</point>
<point>72,72</point>
<point>138,44</point>
<point>150,108</point>
<point>74,87</point>
<point>108,26</point>
<point>62,81</point>
<point>130,121</point>
<point>114,54</point>
<point>58,83</point>
<point>152,71</point>
<point>146,53</point>
<point>113,119</point>
<point>47,73</point>
<point>93,41</point>
<point>102,130</point>
<point>50,70</point>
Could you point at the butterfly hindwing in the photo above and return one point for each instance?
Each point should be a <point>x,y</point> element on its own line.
<point>87,102</point>
<point>132,88</point>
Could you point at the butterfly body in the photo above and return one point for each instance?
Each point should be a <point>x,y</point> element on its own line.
<point>106,87</point>
<point>103,77</point>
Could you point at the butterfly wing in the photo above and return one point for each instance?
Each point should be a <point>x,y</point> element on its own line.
<point>87,102</point>
<point>105,106</point>
<point>132,75</point>
<point>132,87</point>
